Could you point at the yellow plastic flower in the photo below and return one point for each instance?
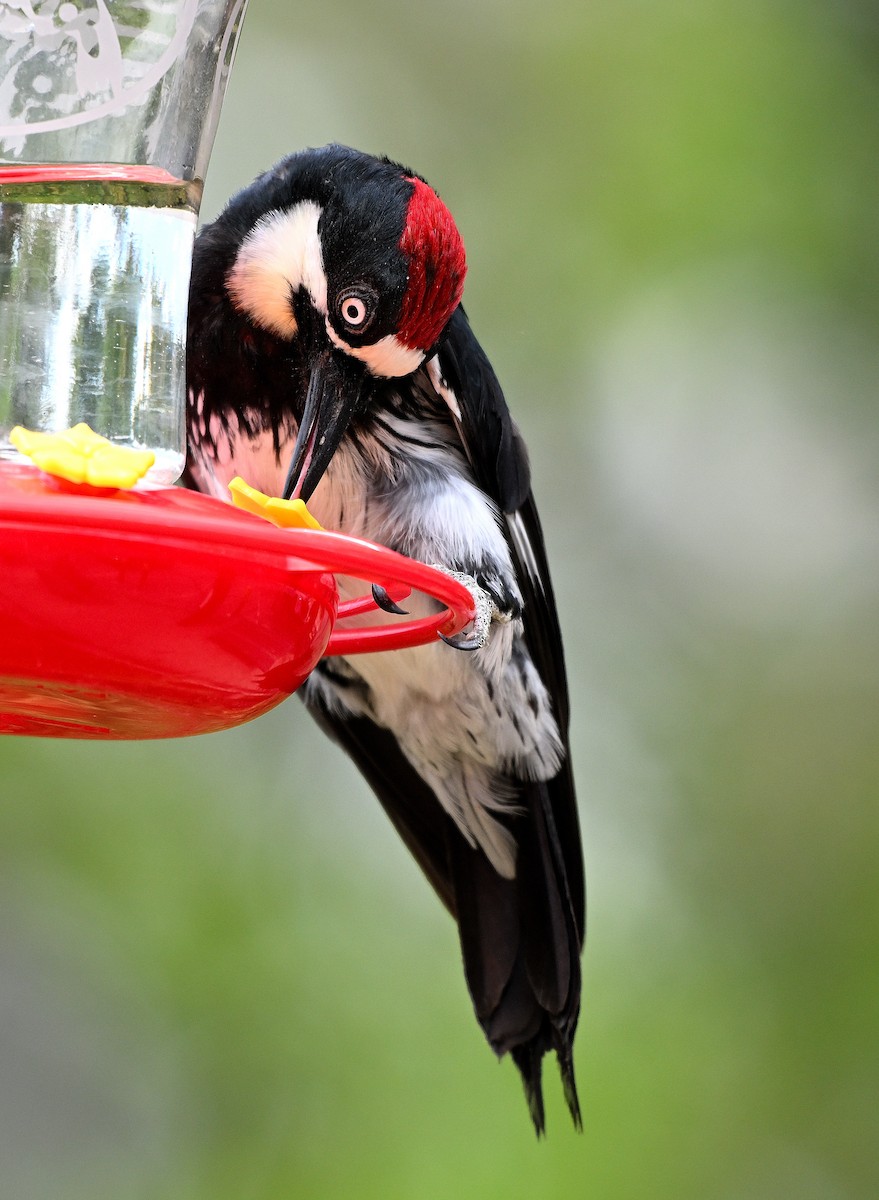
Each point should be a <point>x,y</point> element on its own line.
<point>83,456</point>
<point>286,514</point>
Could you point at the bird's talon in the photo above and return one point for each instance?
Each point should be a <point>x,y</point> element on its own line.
<point>385,603</point>
<point>464,641</point>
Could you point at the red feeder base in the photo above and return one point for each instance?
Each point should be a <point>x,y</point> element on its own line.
<point>146,614</point>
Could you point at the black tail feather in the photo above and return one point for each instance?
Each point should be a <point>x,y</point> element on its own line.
<point>520,940</point>
<point>529,1059</point>
<point>569,1086</point>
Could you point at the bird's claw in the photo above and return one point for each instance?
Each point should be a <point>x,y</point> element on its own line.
<point>385,603</point>
<point>464,641</point>
<point>475,635</point>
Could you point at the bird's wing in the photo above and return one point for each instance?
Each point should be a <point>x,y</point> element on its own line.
<point>499,462</point>
<point>522,938</point>
<point>469,386</point>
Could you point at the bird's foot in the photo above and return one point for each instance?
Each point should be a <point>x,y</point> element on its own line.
<point>475,635</point>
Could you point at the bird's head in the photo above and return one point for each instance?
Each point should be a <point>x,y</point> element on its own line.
<point>355,260</point>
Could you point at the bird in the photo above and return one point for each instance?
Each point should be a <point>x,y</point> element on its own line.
<point>329,359</point>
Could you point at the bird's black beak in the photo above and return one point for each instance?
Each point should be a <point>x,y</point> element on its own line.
<point>337,389</point>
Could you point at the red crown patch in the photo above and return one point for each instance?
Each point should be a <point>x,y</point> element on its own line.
<point>437,266</point>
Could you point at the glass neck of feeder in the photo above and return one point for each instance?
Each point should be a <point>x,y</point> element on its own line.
<point>106,128</point>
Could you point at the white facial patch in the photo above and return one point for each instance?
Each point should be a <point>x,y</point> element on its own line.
<point>387,358</point>
<point>280,255</point>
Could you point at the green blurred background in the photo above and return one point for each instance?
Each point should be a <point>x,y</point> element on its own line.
<point>220,974</point>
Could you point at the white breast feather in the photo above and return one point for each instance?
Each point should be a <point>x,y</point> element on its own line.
<point>450,710</point>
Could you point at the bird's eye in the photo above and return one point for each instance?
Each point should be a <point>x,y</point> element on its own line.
<point>356,308</point>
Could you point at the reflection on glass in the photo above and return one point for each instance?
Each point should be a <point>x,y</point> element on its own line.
<point>93,312</point>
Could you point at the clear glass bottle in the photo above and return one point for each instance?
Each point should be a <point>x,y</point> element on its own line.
<point>107,118</point>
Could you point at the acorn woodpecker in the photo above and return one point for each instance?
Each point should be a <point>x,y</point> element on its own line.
<point>329,358</point>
